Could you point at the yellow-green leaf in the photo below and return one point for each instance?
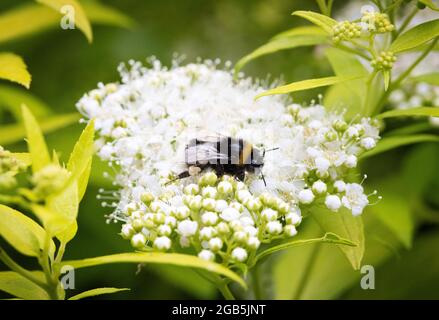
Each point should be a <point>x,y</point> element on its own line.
<point>345,225</point>
<point>278,44</point>
<point>304,85</point>
<point>416,36</point>
<point>96,292</point>
<point>35,141</point>
<point>421,111</point>
<point>103,14</point>
<point>12,98</point>
<point>39,18</point>
<point>324,22</point>
<point>177,259</point>
<point>80,160</point>
<point>16,132</point>
<point>23,157</point>
<point>302,30</point>
<point>386,77</point>
<point>52,221</point>
<point>393,142</point>
<point>13,68</point>
<point>80,17</point>
<point>20,287</point>
<point>430,4</point>
<point>329,237</point>
<point>23,233</point>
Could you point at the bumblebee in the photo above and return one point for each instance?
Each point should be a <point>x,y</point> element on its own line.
<point>223,155</point>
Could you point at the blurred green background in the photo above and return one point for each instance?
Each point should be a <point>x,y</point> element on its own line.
<point>64,66</point>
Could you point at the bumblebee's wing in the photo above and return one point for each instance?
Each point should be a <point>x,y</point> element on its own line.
<point>203,153</point>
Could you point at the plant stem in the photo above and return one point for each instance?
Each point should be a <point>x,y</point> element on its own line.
<point>407,21</point>
<point>256,283</point>
<point>51,278</point>
<point>308,269</point>
<point>11,264</point>
<point>405,74</point>
<point>225,291</point>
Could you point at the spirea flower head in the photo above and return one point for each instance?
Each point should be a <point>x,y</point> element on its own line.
<point>9,168</point>
<point>145,122</point>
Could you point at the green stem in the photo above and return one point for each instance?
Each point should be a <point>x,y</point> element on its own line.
<point>257,290</point>
<point>51,278</point>
<point>308,269</point>
<point>407,21</point>
<point>225,291</point>
<point>11,264</point>
<point>405,74</point>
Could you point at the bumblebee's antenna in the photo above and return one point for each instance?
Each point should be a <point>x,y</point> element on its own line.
<point>268,150</point>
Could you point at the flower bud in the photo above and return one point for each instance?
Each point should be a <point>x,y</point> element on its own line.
<point>164,230</point>
<point>209,218</point>
<point>306,196</point>
<point>223,228</point>
<point>162,243</point>
<point>239,254</point>
<point>274,227</point>
<point>253,243</point>
<point>206,255</point>
<point>127,231</point>
<point>170,221</point>
<point>196,203</point>
<point>240,236</point>
<point>333,202</point>
<point>191,189</point>
<point>137,224</point>
<point>208,179</point>
<point>147,198</point>
<point>215,244</point>
<point>187,228</point>
<point>290,230</point>
<point>319,187</point>
<point>182,212</point>
<point>209,192</point>
<point>269,214</point>
<point>138,241</point>
<point>225,187</point>
<point>207,233</point>
<point>209,204</point>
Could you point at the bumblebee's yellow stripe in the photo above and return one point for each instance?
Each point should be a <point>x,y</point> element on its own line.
<point>246,153</point>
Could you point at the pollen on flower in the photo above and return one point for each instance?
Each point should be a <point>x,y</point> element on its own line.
<point>145,122</point>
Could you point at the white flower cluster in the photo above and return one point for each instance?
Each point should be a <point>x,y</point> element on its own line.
<point>145,122</point>
<point>218,217</point>
<point>413,95</point>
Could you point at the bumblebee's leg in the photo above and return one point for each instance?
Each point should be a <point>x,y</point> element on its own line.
<point>240,175</point>
<point>182,175</point>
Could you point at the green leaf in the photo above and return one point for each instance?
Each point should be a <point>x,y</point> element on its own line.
<point>394,210</point>
<point>393,142</point>
<point>35,141</point>
<point>300,31</point>
<point>329,237</point>
<point>430,4</point>
<point>177,259</point>
<point>18,286</point>
<point>283,43</point>
<point>12,98</point>
<point>386,77</point>
<point>54,222</point>
<point>416,36</point>
<point>324,22</point>
<point>14,133</point>
<point>39,18</point>
<point>344,224</point>
<point>80,160</point>
<point>23,233</point>
<point>347,95</point>
<point>96,292</point>
<point>430,78</point>
<point>304,85</point>
<point>102,14</point>
<point>421,111</point>
<point>81,20</point>
<point>13,68</point>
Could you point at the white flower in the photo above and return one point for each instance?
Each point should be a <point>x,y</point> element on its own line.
<point>274,227</point>
<point>269,214</point>
<point>206,255</point>
<point>239,254</point>
<point>290,230</point>
<point>162,243</point>
<point>306,196</point>
<point>187,228</point>
<point>209,218</point>
<point>322,164</point>
<point>294,217</point>
<point>225,187</point>
<point>215,244</point>
<point>368,143</point>
<point>230,214</point>
<point>354,198</point>
<point>164,230</point>
<point>351,161</point>
<point>127,231</point>
<point>138,241</point>
<point>207,232</point>
<point>333,202</point>
<point>340,185</point>
<point>253,243</point>
<point>319,187</point>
